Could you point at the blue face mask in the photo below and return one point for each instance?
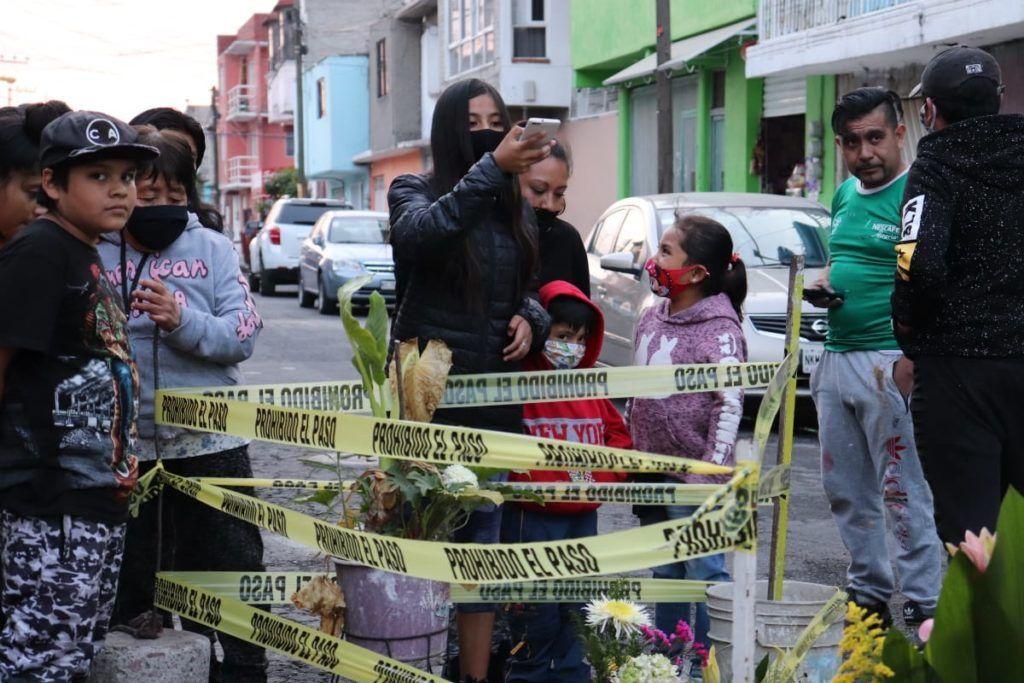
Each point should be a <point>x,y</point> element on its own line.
<point>564,355</point>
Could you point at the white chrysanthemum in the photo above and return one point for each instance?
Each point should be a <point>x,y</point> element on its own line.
<point>459,477</point>
<point>654,668</point>
<point>623,615</point>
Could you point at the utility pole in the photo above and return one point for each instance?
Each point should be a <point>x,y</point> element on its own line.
<point>214,119</point>
<point>664,91</point>
<point>300,142</point>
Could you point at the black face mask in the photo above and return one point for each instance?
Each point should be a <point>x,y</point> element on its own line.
<point>485,140</point>
<point>156,227</point>
<point>545,217</point>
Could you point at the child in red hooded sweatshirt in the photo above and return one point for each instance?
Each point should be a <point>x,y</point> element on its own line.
<point>550,648</point>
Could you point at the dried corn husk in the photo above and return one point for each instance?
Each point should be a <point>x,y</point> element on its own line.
<point>324,598</point>
<point>424,376</point>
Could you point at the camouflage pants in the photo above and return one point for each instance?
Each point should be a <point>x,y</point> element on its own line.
<point>59,583</point>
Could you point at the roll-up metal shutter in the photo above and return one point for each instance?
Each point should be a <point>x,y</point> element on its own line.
<point>785,95</point>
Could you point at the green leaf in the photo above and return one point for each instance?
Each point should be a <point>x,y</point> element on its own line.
<point>425,481</point>
<point>377,322</point>
<point>762,669</point>
<point>325,498</point>
<point>950,649</point>
<point>907,663</point>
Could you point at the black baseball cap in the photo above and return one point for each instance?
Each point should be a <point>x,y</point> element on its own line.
<point>78,135</point>
<point>951,68</point>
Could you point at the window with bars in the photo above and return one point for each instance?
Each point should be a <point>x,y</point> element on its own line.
<point>382,68</point>
<point>529,31</point>
<point>470,34</point>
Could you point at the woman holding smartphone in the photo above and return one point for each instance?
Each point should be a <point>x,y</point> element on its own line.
<point>465,248</point>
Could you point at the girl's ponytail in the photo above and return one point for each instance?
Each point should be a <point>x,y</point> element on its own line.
<point>708,243</point>
<point>734,283</point>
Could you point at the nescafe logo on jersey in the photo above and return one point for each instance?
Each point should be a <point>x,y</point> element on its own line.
<point>102,132</point>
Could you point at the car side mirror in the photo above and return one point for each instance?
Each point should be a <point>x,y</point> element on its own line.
<point>621,262</point>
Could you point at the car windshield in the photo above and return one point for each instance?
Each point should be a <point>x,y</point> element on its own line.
<point>357,230</point>
<point>769,236</point>
<point>303,214</point>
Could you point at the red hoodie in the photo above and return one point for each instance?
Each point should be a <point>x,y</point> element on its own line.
<point>592,421</point>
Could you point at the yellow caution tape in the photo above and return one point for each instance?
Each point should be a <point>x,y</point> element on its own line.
<point>723,522</point>
<point>261,628</point>
<point>276,588</point>
<point>424,442</point>
<point>770,404</point>
<point>584,590</point>
<point>773,484</point>
<point>495,389</point>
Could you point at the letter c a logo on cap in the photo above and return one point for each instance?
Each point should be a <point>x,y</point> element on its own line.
<point>102,132</point>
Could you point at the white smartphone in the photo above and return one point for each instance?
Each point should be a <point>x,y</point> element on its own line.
<point>547,126</point>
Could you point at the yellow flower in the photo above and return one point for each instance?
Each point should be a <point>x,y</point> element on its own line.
<point>861,647</point>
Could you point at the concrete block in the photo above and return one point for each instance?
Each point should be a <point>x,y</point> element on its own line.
<point>174,657</point>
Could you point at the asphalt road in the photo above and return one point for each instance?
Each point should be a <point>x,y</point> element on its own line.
<point>301,345</point>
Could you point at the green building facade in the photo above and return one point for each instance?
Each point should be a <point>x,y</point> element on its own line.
<point>722,139</point>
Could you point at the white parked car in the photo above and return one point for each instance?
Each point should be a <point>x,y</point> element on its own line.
<point>274,251</point>
<point>766,230</point>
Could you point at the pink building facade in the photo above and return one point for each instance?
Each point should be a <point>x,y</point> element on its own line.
<point>251,148</point>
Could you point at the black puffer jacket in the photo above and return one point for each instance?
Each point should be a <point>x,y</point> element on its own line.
<point>960,289</point>
<point>427,233</point>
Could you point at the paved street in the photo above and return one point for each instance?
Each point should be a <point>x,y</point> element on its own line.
<point>299,344</point>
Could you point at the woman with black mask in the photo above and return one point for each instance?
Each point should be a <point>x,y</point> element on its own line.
<point>465,247</point>
<point>562,254</point>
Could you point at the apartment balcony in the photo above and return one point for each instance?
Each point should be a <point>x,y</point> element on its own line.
<point>243,173</point>
<point>778,18</point>
<point>807,37</point>
<point>281,94</point>
<point>243,103</point>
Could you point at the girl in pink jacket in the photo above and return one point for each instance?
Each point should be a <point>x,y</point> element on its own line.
<point>703,284</point>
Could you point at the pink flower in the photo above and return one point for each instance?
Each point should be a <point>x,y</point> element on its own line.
<point>924,631</point>
<point>683,632</point>
<point>977,548</point>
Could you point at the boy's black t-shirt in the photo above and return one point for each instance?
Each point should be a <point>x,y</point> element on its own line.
<point>67,415</point>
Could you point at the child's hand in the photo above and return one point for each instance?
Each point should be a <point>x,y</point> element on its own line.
<point>157,301</point>
<point>522,338</point>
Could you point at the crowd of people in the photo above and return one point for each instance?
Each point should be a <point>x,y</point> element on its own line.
<point>129,286</point>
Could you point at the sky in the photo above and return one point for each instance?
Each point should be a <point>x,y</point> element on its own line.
<point>116,56</point>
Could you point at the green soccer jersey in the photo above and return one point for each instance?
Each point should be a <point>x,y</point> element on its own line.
<point>865,230</point>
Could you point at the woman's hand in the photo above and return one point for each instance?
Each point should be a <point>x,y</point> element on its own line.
<point>522,338</point>
<point>159,303</point>
<point>516,156</point>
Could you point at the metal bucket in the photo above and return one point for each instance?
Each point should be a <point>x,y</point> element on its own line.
<point>779,625</point>
<point>402,617</point>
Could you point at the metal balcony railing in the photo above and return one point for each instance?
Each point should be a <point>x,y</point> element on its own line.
<point>242,103</point>
<point>777,18</point>
<point>242,171</point>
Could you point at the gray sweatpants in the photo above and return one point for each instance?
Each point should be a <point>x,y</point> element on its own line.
<point>869,467</point>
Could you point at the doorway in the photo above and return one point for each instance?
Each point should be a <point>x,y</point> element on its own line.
<point>783,149</point>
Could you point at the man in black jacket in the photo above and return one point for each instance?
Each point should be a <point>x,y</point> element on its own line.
<point>958,305</point>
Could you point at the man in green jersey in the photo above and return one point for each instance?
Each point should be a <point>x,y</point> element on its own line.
<point>869,463</point>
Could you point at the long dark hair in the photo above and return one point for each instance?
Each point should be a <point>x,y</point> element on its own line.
<point>708,243</point>
<point>20,130</point>
<point>452,149</point>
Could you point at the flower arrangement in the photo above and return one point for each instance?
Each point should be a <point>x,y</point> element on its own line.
<point>622,646</point>
<point>977,632</point>
<point>400,498</point>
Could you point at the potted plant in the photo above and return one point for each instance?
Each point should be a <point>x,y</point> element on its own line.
<point>400,616</point>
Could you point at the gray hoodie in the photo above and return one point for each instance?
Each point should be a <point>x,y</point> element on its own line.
<point>218,330</point>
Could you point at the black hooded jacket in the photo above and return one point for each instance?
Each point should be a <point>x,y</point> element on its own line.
<point>960,280</point>
<point>427,233</point>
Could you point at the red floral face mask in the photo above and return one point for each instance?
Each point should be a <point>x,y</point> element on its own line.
<point>670,282</point>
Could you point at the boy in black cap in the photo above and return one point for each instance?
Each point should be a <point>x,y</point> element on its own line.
<point>68,396</point>
<point>958,304</point>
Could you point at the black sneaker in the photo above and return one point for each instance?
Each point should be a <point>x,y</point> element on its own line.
<point>914,614</point>
<point>872,607</point>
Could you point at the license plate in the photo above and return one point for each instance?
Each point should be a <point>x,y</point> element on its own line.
<point>387,285</point>
<point>809,359</point>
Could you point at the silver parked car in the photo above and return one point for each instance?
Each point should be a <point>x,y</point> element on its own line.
<point>766,231</point>
<point>343,245</point>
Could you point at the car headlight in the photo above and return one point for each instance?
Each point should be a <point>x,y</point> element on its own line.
<point>348,266</point>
